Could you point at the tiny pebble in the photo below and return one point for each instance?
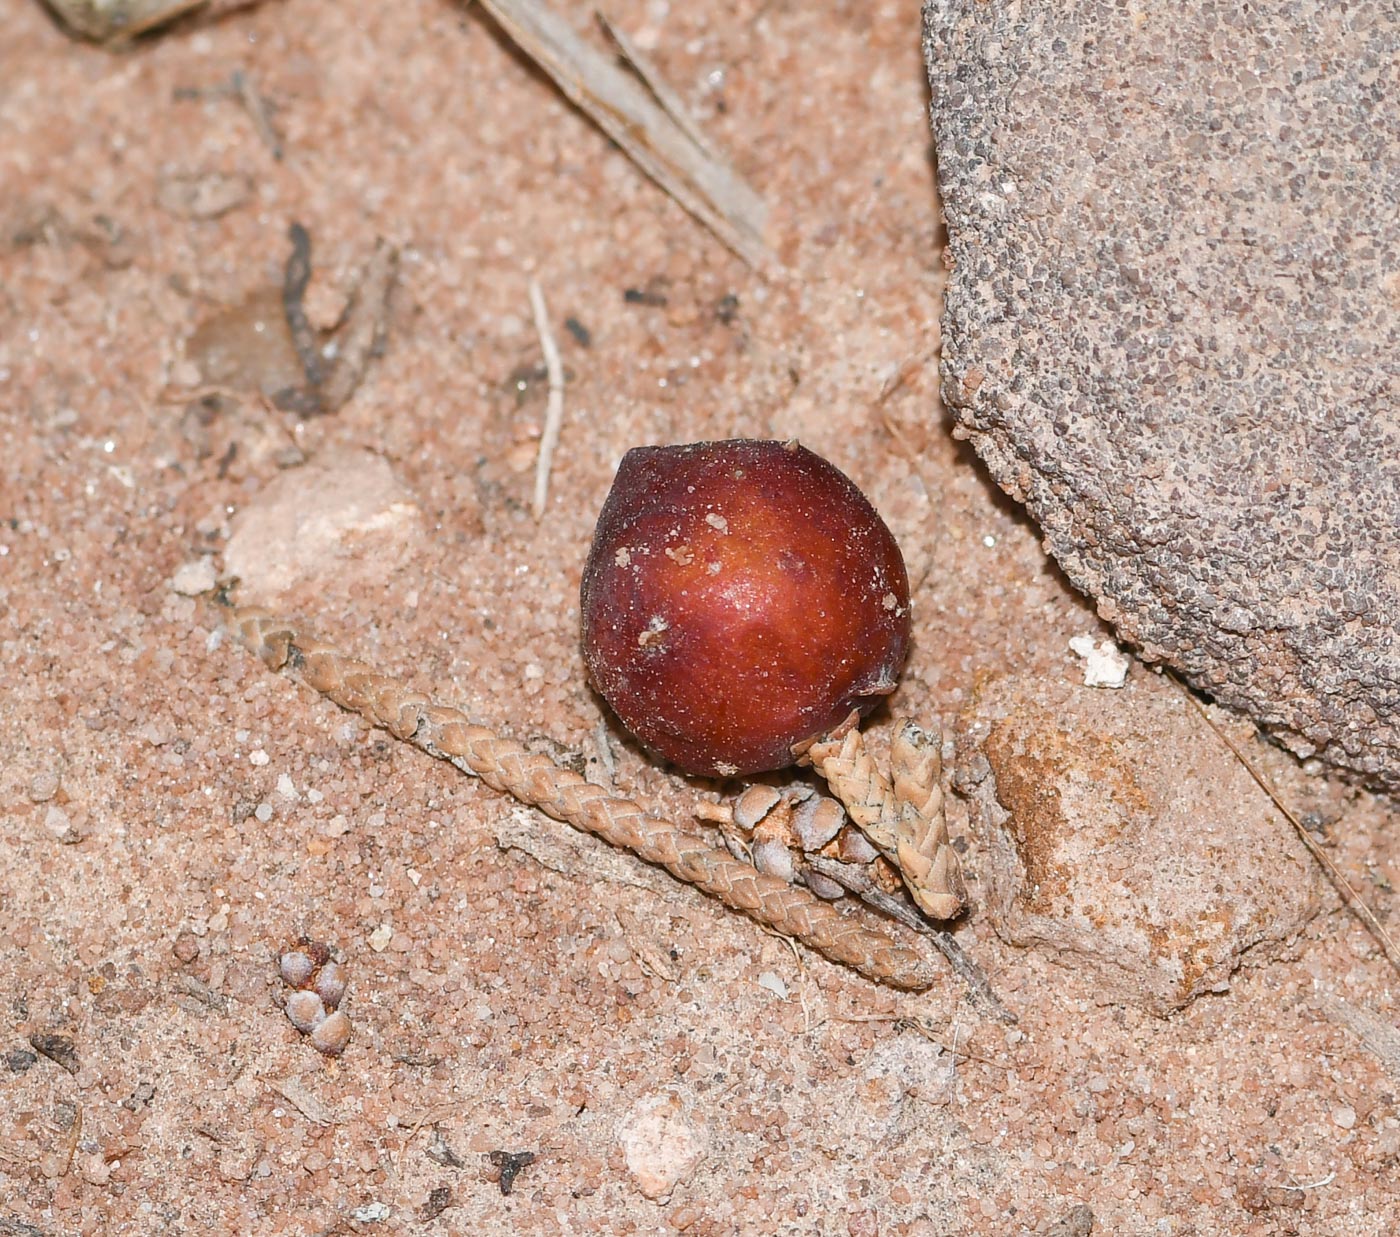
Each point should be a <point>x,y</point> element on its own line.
<point>379,939</point>
<point>59,1049</point>
<point>1344,1117</point>
<point>43,787</point>
<point>57,821</point>
<point>296,967</point>
<point>263,812</point>
<point>332,1035</point>
<point>774,984</point>
<point>371,1213</point>
<point>330,984</point>
<point>194,577</point>
<point>305,1011</point>
<point>186,947</point>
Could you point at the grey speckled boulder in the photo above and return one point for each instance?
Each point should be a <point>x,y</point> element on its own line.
<point>1173,330</point>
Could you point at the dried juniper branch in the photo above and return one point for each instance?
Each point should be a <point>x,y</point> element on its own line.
<point>534,779</point>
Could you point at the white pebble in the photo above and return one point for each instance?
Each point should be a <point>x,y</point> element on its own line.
<point>194,577</point>
<point>57,821</point>
<point>1105,665</point>
<point>661,1144</point>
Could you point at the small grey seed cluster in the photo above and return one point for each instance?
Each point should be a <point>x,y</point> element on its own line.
<point>774,829</point>
<point>318,981</point>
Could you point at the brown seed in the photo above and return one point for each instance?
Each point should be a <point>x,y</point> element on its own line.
<point>332,1035</point>
<point>305,1011</point>
<point>753,805</point>
<point>816,821</point>
<point>297,967</point>
<point>330,984</point>
<point>854,847</point>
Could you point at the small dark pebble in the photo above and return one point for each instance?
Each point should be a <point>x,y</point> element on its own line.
<point>510,1163</point>
<point>582,335</point>
<point>145,1092</point>
<point>19,1060</point>
<point>439,1200</point>
<point>418,1060</point>
<point>728,309</point>
<point>1078,1223</point>
<point>59,1049</point>
<point>643,296</point>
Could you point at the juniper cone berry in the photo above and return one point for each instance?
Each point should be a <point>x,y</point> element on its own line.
<point>740,598</point>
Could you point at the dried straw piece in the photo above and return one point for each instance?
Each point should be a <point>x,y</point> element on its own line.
<point>639,122</point>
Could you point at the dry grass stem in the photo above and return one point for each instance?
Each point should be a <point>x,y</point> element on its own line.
<point>634,117</point>
<point>554,409</point>
<point>1350,897</point>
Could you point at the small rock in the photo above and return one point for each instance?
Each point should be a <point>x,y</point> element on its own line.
<point>195,577</point>
<point>186,947</point>
<point>371,1213</point>
<point>202,195</point>
<point>43,786</point>
<point>1105,664</point>
<point>1124,840</point>
<point>20,1060</point>
<point>379,939</point>
<point>58,823</point>
<point>1344,1118</point>
<point>661,1144</point>
<point>309,520</point>
<point>774,984</point>
<point>59,1049</point>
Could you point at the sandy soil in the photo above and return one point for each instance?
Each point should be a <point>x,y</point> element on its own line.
<point>172,814</point>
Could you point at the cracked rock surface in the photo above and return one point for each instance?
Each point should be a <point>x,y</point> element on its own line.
<point>1123,839</point>
<point>1172,332</point>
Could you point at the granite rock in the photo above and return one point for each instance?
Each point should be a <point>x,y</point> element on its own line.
<point>1173,331</point>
